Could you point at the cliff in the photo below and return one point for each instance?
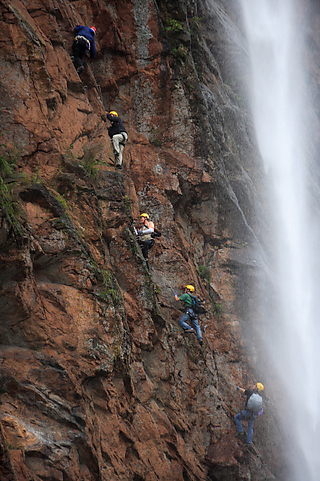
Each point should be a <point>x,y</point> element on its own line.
<point>98,381</point>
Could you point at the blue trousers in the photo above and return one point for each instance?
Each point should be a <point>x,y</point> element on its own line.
<point>245,416</point>
<point>190,316</point>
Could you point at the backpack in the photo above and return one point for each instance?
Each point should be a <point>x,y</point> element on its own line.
<point>155,233</point>
<point>254,403</point>
<point>196,305</point>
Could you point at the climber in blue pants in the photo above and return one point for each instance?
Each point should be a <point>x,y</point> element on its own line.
<point>189,314</point>
<point>247,414</point>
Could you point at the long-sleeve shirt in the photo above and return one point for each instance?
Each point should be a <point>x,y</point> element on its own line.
<point>86,32</point>
<point>146,231</point>
<point>117,125</point>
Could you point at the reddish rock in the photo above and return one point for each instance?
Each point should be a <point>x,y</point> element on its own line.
<point>98,381</point>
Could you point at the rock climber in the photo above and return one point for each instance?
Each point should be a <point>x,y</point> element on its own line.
<point>118,135</point>
<point>145,236</point>
<point>83,44</point>
<point>250,412</point>
<point>189,314</point>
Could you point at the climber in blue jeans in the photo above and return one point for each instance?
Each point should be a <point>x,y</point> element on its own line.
<point>189,314</point>
<point>247,414</point>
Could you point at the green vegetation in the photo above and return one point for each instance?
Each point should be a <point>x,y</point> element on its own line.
<point>194,23</point>
<point>6,167</point>
<point>175,29</point>
<point>156,142</point>
<point>90,162</point>
<point>204,272</point>
<point>91,165</point>
<point>7,203</point>
<point>12,154</point>
<point>131,241</point>
<point>180,52</point>
<point>62,201</point>
<point>8,160</point>
<point>155,138</point>
<point>217,308</point>
<point>127,205</point>
<point>36,175</point>
<point>110,292</point>
<point>174,26</point>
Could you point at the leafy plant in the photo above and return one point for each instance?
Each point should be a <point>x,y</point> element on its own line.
<point>91,166</point>
<point>204,272</point>
<point>90,162</point>
<point>180,52</point>
<point>6,167</point>
<point>110,293</point>
<point>196,20</point>
<point>62,201</point>
<point>174,26</point>
<point>36,175</point>
<point>8,204</point>
<point>10,207</point>
<point>12,153</point>
<point>130,238</point>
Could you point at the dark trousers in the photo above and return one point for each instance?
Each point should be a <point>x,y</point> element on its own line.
<point>145,246</point>
<point>79,49</point>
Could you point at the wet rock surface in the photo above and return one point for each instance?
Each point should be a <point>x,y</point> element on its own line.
<point>97,379</point>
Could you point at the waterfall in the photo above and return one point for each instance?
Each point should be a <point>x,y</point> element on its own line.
<point>279,97</point>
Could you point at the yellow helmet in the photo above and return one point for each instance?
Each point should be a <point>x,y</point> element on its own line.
<point>113,113</point>
<point>191,288</point>
<point>260,386</point>
<point>145,215</point>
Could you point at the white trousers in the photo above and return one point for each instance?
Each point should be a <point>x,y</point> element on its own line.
<point>119,141</point>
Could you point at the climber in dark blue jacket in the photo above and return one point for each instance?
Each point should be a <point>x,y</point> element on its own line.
<point>83,44</point>
<point>119,136</point>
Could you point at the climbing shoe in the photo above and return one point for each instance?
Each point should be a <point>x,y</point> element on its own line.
<point>241,435</point>
<point>201,342</point>
<point>80,69</point>
<point>118,166</point>
<point>189,330</point>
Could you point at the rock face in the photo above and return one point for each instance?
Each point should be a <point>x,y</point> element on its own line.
<point>98,381</point>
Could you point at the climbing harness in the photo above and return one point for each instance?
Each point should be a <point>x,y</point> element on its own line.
<point>81,37</point>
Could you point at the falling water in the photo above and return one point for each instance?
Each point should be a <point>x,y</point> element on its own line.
<point>279,99</point>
